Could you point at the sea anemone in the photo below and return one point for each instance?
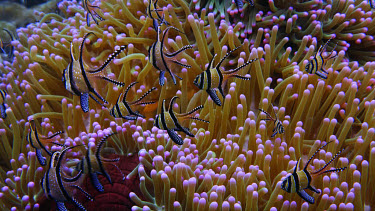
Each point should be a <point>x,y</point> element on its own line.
<point>232,163</point>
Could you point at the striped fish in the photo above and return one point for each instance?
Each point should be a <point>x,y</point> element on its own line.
<point>239,3</point>
<point>38,142</point>
<point>157,18</point>
<point>279,128</point>
<point>212,78</point>
<point>6,47</point>
<point>300,180</point>
<point>93,164</point>
<point>122,108</point>
<point>59,188</point>
<point>160,59</point>
<point>169,121</point>
<point>316,65</point>
<point>3,95</point>
<point>91,12</point>
<point>76,78</point>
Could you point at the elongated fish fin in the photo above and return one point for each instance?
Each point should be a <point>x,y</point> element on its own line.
<point>39,156</point>
<point>306,197</point>
<point>129,117</point>
<point>61,206</point>
<point>97,101</point>
<point>95,181</point>
<point>84,192</point>
<point>175,137</point>
<point>2,111</point>
<point>186,131</point>
<point>84,98</point>
<point>214,96</point>
<point>313,189</point>
<point>77,204</point>
<point>109,59</point>
<point>118,83</point>
<point>305,168</point>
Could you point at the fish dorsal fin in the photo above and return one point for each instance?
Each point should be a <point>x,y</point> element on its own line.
<point>211,62</point>
<point>72,53</point>
<point>100,145</point>
<point>127,90</point>
<point>171,105</point>
<point>226,56</point>
<point>81,50</point>
<point>296,167</point>
<point>163,106</point>
<point>118,99</point>
<point>32,125</point>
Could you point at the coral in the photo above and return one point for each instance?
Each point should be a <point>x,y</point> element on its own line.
<point>232,162</point>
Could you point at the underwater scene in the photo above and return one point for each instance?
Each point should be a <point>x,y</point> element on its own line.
<point>187,105</point>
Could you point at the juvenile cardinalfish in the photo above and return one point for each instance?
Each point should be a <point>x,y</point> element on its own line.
<point>212,78</point>
<point>91,12</point>
<point>122,108</point>
<point>239,3</point>
<point>93,164</point>
<point>3,95</point>
<point>57,187</point>
<point>160,59</point>
<point>38,142</point>
<point>300,180</point>
<point>279,128</point>
<point>76,78</point>
<point>157,18</point>
<point>316,65</point>
<point>169,120</point>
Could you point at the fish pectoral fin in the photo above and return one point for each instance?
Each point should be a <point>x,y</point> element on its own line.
<point>175,137</point>
<point>95,181</point>
<point>129,117</point>
<point>84,98</point>
<point>186,131</point>
<point>214,96</point>
<point>306,197</point>
<point>313,189</point>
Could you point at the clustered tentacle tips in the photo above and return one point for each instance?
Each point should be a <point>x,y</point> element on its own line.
<point>210,149</point>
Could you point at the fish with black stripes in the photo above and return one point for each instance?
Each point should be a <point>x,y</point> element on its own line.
<point>76,78</point>
<point>91,12</point>
<point>300,180</point>
<point>279,128</point>
<point>6,47</point>
<point>212,78</point>
<point>122,108</point>
<point>39,142</point>
<point>93,164</point>
<point>316,64</point>
<point>170,121</point>
<point>3,96</point>
<point>157,18</point>
<point>58,187</point>
<point>160,59</point>
<point>239,3</point>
